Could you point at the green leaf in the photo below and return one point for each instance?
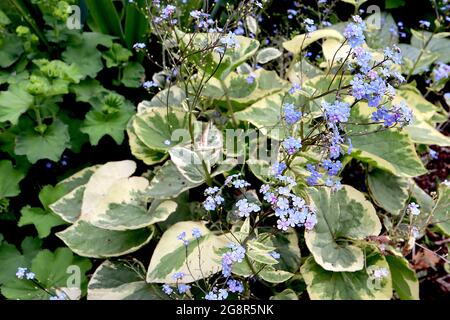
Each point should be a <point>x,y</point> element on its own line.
<point>300,42</point>
<point>68,204</point>
<point>341,216</point>
<point>136,24</point>
<point>155,127</point>
<point>82,50</point>
<point>87,90</point>
<point>328,285</point>
<point>188,163</point>
<point>213,63</point>
<point>105,17</point>
<point>389,150</point>
<point>49,145</point>
<point>414,61</point>
<point>388,191</point>
<point>267,54</point>
<point>122,280</point>
<point>43,220</point>
<point>10,260</point>
<point>89,241</point>
<point>10,50</point>
<point>240,91</point>
<point>380,38</point>
<point>133,73</point>
<point>116,55</point>
<point>404,279</point>
<point>113,123</point>
<point>439,44</point>
<point>265,115</point>
<point>141,151</point>
<point>171,97</point>
<point>393,4</point>
<point>272,275</point>
<point>199,259</point>
<point>50,270</point>
<point>168,182</point>
<point>13,103</point>
<point>422,130</point>
<point>441,211</point>
<point>9,183</point>
<point>287,294</point>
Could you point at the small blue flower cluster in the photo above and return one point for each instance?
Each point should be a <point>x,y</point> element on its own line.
<point>24,273</point>
<point>441,71</point>
<point>245,208</point>
<point>291,115</point>
<point>196,233</point>
<point>337,112</point>
<point>290,209</point>
<point>59,296</point>
<point>234,286</point>
<point>309,25</point>
<point>213,199</point>
<point>354,32</point>
<point>372,84</point>
<point>292,145</point>
<point>237,254</point>
<point>182,288</point>
<point>166,15</point>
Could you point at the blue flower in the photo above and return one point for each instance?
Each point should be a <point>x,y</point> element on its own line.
<point>433,154</point>
<point>183,288</point>
<point>309,25</point>
<point>442,71</point>
<point>336,112</point>
<point>313,179</point>
<point>250,78</point>
<point>295,87</point>
<point>149,84</point>
<point>424,23</point>
<point>20,274</point>
<point>278,168</point>
<point>235,286</point>
<point>292,145</point>
<point>167,289</point>
<point>414,208</point>
<point>354,32</point>
<point>283,224</point>
<point>245,208</point>
<point>139,46</point>
<point>178,275</point>
<point>291,116</point>
<point>274,255</point>
<point>196,233</point>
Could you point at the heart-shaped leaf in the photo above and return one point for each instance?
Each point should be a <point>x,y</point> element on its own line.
<point>342,216</point>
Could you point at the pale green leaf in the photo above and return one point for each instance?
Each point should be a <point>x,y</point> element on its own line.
<point>328,285</point>
<point>122,280</point>
<point>199,259</point>
<point>89,241</point>
<point>404,279</point>
<point>341,215</point>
